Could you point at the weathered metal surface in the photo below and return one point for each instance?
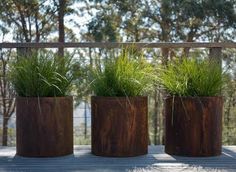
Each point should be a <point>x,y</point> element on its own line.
<point>44,126</point>
<point>193,126</point>
<point>119,126</point>
<point>83,161</point>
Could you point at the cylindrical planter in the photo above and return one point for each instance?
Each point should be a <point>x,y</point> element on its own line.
<point>44,126</point>
<point>119,126</point>
<point>193,126</point>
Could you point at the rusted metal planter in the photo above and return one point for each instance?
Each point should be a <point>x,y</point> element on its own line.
<point>193,126</point>
<point>44,126</point>
<point>119,126</point>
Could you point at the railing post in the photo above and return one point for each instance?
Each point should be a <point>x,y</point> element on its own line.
<point>216,55</point>
<point>23,52</point>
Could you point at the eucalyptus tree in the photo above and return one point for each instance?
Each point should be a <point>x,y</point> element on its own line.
<point>190,21</point>
<point>63,8</point>
<point>32,21</point>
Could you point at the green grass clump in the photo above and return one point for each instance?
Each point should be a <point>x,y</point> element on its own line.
<point>192,77</point>
<point>129,74</point>
<point>41,75</point>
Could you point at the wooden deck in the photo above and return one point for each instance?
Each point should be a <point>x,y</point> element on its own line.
<point>83,160</point>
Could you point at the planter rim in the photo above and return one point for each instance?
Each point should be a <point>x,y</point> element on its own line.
<point>118,97</point>
<point>193,97</point>
<point>61,97</point>
<point>132,98</point>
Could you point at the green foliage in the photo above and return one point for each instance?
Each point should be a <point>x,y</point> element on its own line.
<point>127,75</point>
<point>41,75</point>
<point>192,77</point>
<point>80,140</point>
<point>103,27</point>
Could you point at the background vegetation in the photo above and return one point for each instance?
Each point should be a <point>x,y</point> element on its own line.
<point>118,21</point>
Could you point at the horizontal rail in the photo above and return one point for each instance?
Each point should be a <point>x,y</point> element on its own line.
<point>119,45</point>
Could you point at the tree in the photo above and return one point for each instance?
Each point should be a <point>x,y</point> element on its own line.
<point>7,101</point>
<point>191,21</point>
<point>61,28</point>
<point>32,21</point>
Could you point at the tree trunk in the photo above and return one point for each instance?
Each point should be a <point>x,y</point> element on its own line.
<point>190,38</point>
<point>5,131</point>
<point>37,32</point>
<point>61,14</point>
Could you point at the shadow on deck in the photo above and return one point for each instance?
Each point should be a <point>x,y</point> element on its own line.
<point>83,160</point>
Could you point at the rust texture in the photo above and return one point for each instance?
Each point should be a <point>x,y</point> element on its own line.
<point>119,126</point>
<point>44,126</point>
<point>193,126</point>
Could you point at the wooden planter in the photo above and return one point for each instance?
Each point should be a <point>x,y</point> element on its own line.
<point>119,126</point>
<point>193,126</point>
<point>44,126</point>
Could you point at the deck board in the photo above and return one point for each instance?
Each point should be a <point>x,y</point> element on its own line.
<point>83,160</point>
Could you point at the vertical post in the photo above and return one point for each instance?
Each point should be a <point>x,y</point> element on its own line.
<point>22,52</point>
<point>162,123</point>
<point>85,119</point>
<point>90,58</point>
<point>155,118</point>
<point>165,55</point>
<point>216,55</point>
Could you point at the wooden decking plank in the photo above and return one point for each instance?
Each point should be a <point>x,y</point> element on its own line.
<point>83,160</point>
